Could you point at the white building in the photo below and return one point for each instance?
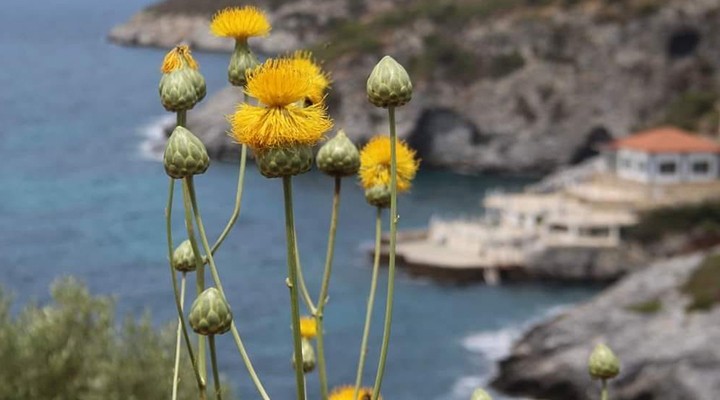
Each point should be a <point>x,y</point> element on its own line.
<point>665,155</point>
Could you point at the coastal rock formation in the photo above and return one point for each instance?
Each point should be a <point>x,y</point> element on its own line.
<point>666,340</point>
<point>515,86</point>
<point>586,264</point>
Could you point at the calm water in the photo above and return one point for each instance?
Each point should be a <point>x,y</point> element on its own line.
<point>80,198</point>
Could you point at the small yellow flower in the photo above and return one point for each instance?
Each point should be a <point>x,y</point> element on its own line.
<point>319,80</point>
<point>240,23</point>
<point>375,164</point>
<point>308,327</point>
<point>347,393</point>
<point>177,58</point>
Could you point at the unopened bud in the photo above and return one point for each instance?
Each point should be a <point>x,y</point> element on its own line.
<point>185,155</point>
<point>210,314</point>
<point>603,364</point>
<point>389,84</point>
<point>183,258</point>
<point>378,196</point>
<point>339,156</point>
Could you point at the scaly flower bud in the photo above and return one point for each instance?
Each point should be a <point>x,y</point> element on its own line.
<point>308,356</point>
<point>378,196</point>
<point>183,258</point>
<point>241,61</point>
<point>389,84</point>
<point>284,161</point>
<point>210,314</point>
<point>338,157</point>
<point>181,86</point>
<point>185,155</point>
<point>480,394</point>
<point>603,364</point>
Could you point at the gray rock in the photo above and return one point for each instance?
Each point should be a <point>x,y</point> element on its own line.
<point>669,354</point>
<point>586,264</point>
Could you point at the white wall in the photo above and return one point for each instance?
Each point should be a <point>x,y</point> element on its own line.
<point>633,165</point>
<point>647,168</point>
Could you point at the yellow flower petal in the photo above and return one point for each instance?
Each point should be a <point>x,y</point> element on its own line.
<point>347,393</point>
<point>277,83</point>
<point>177,58</point>
<point>375,164</point>
<point>308,327</point>
<point>240,23</point>
<point>319,80</point>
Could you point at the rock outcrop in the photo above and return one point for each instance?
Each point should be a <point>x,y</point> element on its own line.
<point>516,86</point>
<point>668,350</point>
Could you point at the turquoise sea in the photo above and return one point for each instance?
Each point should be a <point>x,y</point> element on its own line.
<point>82,195</point>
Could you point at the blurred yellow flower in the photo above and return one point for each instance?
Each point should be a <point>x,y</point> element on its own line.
<point>375,164</point>
<point>308,327</point>
<point>240,23</point>
<point>347,393</point>
<point>319,80</point>
<point>177,58</point>
<point>281,120</point>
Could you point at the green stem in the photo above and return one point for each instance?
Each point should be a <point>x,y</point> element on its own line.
<point>218,283</point>
<point>322,299</point>
<point>181,118</point>
<point>178,343</point>
<point>292,285</point>
<point>604,390</point>
<point>391,256</point>
<point>370,302</point>
<point>307,299</point>
<point>216,372</point>
<point>176,292</point>
<point>199,271</point>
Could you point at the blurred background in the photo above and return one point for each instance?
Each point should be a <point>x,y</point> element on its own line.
<point>567,146</point>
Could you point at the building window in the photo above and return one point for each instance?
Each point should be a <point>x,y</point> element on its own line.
<point>668,168</point>
<point>641,166</point>
<point>701,168</point>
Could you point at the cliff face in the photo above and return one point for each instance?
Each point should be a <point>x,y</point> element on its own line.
<point>516,85</point>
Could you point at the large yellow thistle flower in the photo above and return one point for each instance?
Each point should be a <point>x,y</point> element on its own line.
<point>240,23</point>
<point>319,79</point>
<point>375,164</point>
<point>281,120</point>
<point>347,393</point>
<point>177,58</point>
<point>308,327</point>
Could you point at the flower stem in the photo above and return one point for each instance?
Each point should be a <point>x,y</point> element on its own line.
<point>292,285</point>
<point>322,299</point>
<point>391,256</point>
<point>370,302</point>
<point>604,390</point>
<point>181,118</point>
<point>218,283</point>
<point>176,292</point>
<point>216,373</point>
<point>178,343</point>
<point>307,299</point>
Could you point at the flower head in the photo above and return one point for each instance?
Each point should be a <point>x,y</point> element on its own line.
<point>178,58</point>
<point>319,79</point>
<point>375,164</point>
<point>240,23</point>
<point>308,327</point>
<point>347,393</point>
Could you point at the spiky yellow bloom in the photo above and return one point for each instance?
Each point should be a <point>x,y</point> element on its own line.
<point>281,120</point>
<point>319,80</point>
<point>375,164</point>
<point>240,23</point>
<point>177,58</point>
<point>308,327</point>
<point>347,393</point>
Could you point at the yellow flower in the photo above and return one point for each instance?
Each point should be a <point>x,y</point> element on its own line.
<point>347,393</point>
<point>240,23</point>
<point>319,80</point>
<point>375,164</point>
<point>282,121</point>
<point>308,327</point>
<point>177,58</point>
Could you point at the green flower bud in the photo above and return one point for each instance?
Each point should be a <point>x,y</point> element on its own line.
<point>241,61</point>
<point>480,394</point>
<point>378,196</point>
<point>603,364</point>
<point>339,156</point>
<point>185,155</point>
<point>389,84</point>
<point>308,356</point>
<point>183,258</point>
<point>181,89</point>
<point>284,161</point>
<point>210,314</point>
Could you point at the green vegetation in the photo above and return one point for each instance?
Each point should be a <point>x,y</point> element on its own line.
<point>702,219</point>
<point>651,306</point>
<point>73,349</point>
<point>505,64</point>
<point>690,108</point>
<point>703,286</point>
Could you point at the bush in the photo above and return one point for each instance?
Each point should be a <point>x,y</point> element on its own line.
<point>691,107</point>
<point>703,286</point>
<point>703,218</point>
<point>651,306</point>
<point>72,349</point>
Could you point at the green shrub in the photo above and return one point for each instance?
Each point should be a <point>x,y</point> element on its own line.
<point>656,224</point>
<point>505,64</point>
<point>651,306</point>
<point>690,107</point>
<point>703,286</point>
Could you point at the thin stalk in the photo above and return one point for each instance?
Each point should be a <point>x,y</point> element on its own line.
<point>307,299</point>
<point>322,299</point>
<point>178,343</point>
<point>176,292</point>
<point>218,283</point>
<point>370,302</point>
<point>199,271</point>
<point>292,285</point>
<point>391,256</point>
<point>181,118</point>
<point>604,390</point>
<point>216,372</point>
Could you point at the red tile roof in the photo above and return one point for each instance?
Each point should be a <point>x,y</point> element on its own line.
<point>667,140</point>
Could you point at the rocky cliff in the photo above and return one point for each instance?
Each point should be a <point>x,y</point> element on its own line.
<point>661,321</point>
<point>500,85</point>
